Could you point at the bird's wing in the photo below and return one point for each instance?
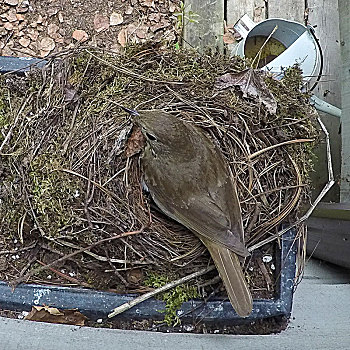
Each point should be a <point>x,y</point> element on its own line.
<point>202,215</point>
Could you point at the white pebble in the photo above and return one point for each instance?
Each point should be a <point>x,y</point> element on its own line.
<point>267,258</point>
<point>99,320</point>
<point>272,266</point>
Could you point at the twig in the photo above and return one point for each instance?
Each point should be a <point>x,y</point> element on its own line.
<point>290,142</point>
<point>126,306</point>
<point>326,188</point>
<point>131,73</point>
<point>42,268</point>
<point>63,275</point>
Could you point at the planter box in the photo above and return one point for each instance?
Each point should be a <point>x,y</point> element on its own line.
<point>98,304</point>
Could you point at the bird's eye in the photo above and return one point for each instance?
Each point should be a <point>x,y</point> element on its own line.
<point>150,136</point>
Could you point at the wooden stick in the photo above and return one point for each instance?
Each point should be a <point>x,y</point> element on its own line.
<point>128,305</point>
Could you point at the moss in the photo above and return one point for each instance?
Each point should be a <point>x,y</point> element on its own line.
<point>173,298</point>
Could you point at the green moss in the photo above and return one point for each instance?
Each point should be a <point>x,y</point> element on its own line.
<point>173,298</point>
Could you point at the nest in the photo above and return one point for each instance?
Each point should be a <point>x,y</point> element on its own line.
<point>70,173</point>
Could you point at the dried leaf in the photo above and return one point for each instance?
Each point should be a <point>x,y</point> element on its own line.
<point>52,11</point>
<point>101,23</point>
<point>229,38</point>
<point>11,15</point>
<point>52,29</point>
<point>129,10</point>
<point>135,143</point>
<point>33,34</point>
<point>251,83</point>
<point>80,35</point>
<point>47,44</point>
<point>70,94</point>
<point>24,41</point>
<point>148,3</point>
<point>11,2</point>
<point>20,17</point>
<point>134,276</point>
<point>115,19</point>
<point>54,315</point>
<point>8,26</point>
<point>141,32</point>
<point>122,37</point>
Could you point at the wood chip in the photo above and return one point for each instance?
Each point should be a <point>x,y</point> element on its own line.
<point>24,41</point>
<point>115,19</point>
<point>101,23</point>
<point>11,2</point>
<point>122,37</point>
<point>80,35</point>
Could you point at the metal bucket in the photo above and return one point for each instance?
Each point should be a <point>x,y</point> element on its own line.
<point>288,43</point>
<point>299,45</point>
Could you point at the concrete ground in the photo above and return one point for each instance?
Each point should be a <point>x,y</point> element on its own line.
<point>320,320</point>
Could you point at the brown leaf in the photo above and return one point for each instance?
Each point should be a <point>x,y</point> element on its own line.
<point>24,41</point>
<point>33,34</point>
<point>135,143</point>
<point>70,94</point>
<point>141,32</point>
<point>134,276</point>
<point>47,44</point>
<point>52,29</point>
<point>129,10</point>
<point>20,17</point>
<point>80,35</point>
<point>54,315</point>
<point>251,83</point>
<point>229,38</point>
<point>8,26</point>
<point>11,15</point>
<point>122,37</point>
<point>101,23</point>
<point>52,11</point>
<point>115,19</point>
<point>39,20</point>
<point>11,2</point>
<point>148,3</point>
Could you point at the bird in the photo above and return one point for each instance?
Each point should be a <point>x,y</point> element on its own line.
<point>190,181</point>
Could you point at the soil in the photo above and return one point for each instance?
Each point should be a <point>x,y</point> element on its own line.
<point>39,28</point>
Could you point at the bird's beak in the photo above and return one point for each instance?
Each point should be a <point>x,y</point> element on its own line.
<point>131,111</point>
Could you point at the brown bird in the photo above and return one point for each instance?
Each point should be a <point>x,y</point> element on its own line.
<point>190,182</point>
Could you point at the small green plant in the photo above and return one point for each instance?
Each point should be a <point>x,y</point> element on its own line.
<point>173,298</point>
<point>183,17</point>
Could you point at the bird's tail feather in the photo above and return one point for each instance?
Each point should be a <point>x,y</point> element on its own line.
<point>230,271</point>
